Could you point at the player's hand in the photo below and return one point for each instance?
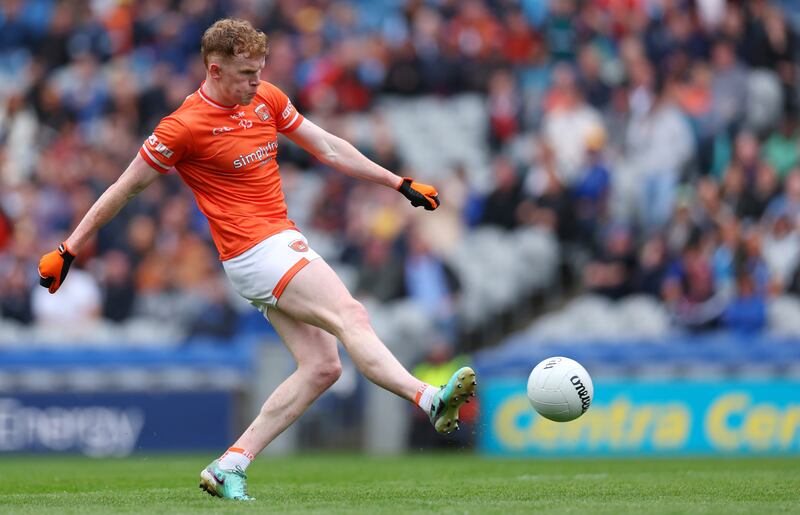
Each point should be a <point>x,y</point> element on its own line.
<point>53,267</point>
<point>419,194</point>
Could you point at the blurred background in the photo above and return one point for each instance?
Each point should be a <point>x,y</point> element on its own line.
<point>620,183</point>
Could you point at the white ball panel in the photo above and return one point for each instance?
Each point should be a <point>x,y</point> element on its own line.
<point>560,389</point>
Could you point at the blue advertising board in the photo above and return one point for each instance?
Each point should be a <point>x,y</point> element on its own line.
<point>637,417</point>
<point>115,424</point>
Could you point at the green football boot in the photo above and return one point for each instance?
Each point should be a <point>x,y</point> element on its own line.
<point>450,397</point>
<point>228,484</point>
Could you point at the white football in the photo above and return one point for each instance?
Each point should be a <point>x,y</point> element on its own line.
<point>560,389</point>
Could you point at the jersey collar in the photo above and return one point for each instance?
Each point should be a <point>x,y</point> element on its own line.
<point>212,103</point>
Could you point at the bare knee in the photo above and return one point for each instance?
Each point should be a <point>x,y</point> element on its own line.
<point>353,316</point>
<point>323,374</point>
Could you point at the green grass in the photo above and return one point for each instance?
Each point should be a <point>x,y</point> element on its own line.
<point>438,483</point>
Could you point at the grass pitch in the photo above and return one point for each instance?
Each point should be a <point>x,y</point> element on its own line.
<point>430,483</point>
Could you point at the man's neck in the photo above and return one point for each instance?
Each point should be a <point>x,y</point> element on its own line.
<point>210,91</point>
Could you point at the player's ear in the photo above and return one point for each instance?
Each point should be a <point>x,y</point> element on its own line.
<point>214,70</point>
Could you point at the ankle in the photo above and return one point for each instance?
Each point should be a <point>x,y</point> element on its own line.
<point>424,397</point>
<point>236,457</point>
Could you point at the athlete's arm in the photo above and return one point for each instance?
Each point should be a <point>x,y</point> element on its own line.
<point>53,266</point>
<point>341,155</point>
<point>138,176</point>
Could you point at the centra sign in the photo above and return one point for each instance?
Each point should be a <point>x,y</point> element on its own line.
<point>728,417</point>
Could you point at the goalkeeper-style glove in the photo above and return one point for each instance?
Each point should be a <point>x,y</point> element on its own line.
<point>419,194</point>
<point>53,267</point>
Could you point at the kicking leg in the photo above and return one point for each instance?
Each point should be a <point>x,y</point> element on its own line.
<point>317,296</point>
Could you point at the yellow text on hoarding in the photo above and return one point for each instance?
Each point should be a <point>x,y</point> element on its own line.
<point>619,425</point>
<point>734,421</point>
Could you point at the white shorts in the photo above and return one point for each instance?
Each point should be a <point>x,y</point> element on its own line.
<point>261,273</point>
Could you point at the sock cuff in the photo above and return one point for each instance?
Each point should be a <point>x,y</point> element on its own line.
<point>420,391</point>
<point>246,454</point>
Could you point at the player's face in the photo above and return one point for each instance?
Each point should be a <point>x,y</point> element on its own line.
<point>239,78</point>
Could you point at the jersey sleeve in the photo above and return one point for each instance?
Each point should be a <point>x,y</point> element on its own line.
<point>287,118</point>
<point>169,143</point>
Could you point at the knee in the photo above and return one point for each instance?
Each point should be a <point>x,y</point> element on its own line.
<point>325,373</point>
<point>353,316</point>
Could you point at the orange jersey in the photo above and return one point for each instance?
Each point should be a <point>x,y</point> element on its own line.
<point>227,155</point>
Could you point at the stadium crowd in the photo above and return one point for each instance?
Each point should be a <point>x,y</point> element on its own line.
<point>657,138</point>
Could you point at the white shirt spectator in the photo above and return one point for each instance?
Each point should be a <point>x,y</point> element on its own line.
<point>659,141</point>
<point>781,254</point>
<point>78,301</point>
<point>566,131</point>
<point>19,128</point>
<point>711,12</point>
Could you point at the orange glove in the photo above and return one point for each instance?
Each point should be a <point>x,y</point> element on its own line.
<point>419,194</point>
<point>53,267</point>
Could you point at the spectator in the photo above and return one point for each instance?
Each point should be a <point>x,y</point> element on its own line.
<point>592,188</point>
<point>681,226</point>
<point>759,194</point>
<point>660,145</point>
<point>675,40</point>
<point>651,266</point>
<point>432,285</point>
<point>787,203</point>
<point>781,252</point>
<point>723,259</point>
<point>500,207</point>
<point>83,296</point>
<point>688,288</point>
<point>611,273</point>
<point>747,312</point>
<point>327,213</point>
<point>18,127</point>
<point>745,159</point>
<point>214,316</point>
<point>750,259</point>
<point>381,273</point>
<point>475,30</point>
<point>520,40</point>
<point>547,202</point>
<point>469,201</point>
<point>568,123</point>
<point>560,31</point>
<point>6,230</point>
<point>781,148</point>
<point>694,95</point>
<point>708,207</point>
<point>505,106</point>
<point>770,42</point>
<point>15,296</point>
<point>728,85</point>
<point>117,286</point>
<point>598,92</point>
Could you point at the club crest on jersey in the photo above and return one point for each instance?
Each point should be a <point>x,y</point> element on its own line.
<point>298,245</point>
<point>262,113</point>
